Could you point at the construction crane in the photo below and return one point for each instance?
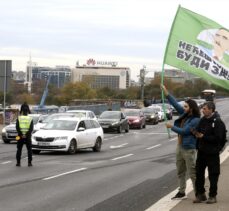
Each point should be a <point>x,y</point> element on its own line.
<point>45,93</point>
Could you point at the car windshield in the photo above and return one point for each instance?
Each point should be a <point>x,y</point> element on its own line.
<point>57,116</point>
<point>60,125</point>
<point>110,115</point>
<point>132,113</point>
<point>148,110</point>
<point>79,114</point>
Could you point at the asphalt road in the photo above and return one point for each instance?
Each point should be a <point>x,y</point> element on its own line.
<point>132,172</point>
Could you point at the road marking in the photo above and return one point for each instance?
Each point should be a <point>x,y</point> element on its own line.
<point>118,146</point>
<point>151,133</point>
<point>69,172</point>
<point>125,156</point>
<point>113,137</point>
<point>173,139</point>
<point>6,162</point>
<point>154,146</point>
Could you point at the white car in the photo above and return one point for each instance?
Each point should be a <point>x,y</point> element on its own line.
<point>68,134</point>
<point>83,113</point>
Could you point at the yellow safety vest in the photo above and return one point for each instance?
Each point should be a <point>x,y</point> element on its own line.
<point>24,123</point>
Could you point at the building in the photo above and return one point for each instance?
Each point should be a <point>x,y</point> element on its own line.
<point>60,75</point>
<point>19,76</point>
<point>5,75</point>
<point>177,76</point>
<point>99,74</point>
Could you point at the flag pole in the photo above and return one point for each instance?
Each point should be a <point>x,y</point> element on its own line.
<point>163,72</point>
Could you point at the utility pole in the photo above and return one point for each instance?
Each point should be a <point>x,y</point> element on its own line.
<point>142,80</point>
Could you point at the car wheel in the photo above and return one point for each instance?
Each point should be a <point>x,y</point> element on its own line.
<point>140,127</point>
<point>119,129</point>
<point>72,147</point>
<point>6,141</point>
<point>98,145</point>
<point>127,129</point>
<point>36,152</point>
<point>144,126</point>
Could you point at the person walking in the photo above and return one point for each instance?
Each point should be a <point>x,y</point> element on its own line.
<point>24,126</point>
<point>186,146</point>
<point>209,133</point>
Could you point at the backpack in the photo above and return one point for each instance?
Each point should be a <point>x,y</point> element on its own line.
<point>223,141</point>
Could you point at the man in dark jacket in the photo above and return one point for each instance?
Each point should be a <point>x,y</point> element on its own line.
<point>24,126</point>
<point>209,133</point>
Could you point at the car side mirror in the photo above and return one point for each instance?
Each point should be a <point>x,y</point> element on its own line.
<point>81,129</point>
<point>40,121</point>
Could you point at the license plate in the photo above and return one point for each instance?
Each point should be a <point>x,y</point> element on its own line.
<point>12,134</point>
<point>43,144</point>
<point>105,126</point>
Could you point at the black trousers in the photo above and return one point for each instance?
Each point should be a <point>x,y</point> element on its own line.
<point>20,143</point>
<point>211,161</point>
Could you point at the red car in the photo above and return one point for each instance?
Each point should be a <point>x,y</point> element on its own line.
<point>135,118</point>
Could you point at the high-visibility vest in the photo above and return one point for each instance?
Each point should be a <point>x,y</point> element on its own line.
<point>24,123</point>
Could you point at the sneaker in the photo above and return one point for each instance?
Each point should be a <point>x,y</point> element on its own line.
<point>211,200</point>
<point>30,164</point>
<point>179,195</point>
<point>200,198</point>
<point>18,164</point>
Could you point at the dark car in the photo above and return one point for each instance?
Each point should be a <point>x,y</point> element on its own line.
<point>114,120</point>
<point>136,118</point>
<point>151,115</point>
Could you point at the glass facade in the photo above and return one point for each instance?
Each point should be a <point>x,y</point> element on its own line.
<point>100,81</point>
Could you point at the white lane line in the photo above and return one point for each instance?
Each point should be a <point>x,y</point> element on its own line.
<point>151,133</point>
<point>69,172</point>
<point>113,137</point>
<point>7,162</point>
<point>154,146</point>
<point>173,139</point>
<point>118,146</point>
<point>165,203</point>
<point>124,156</point>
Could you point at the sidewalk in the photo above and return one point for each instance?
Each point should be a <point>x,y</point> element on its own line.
<point>166,204</point>
<point>222,197</point>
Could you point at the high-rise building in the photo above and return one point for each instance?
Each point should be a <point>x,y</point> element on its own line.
<point>5,75</point>
<point>60,75</point>
<point>99,74</point>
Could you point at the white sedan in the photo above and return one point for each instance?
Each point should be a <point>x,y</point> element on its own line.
<point>68,134</point>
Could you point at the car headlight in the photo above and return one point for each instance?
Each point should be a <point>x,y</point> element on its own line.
<point>152,116</point>
<point>62,138</point>
<point>136,120</point>
<point>3,130</point>
<point>114,123</point>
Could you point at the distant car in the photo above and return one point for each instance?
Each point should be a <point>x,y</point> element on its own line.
<point>9,132</point>
<point>68,134</point>
<point>135,118</point>
<point>114,120</point>
<point>159,111</point>
<point>83,113</point>
<point>151,115</point>
<point>168,110</point>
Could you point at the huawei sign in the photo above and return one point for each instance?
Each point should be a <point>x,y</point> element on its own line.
<point>101,63</point>
<point>91,62</point>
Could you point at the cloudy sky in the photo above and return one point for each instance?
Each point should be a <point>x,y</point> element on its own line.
<point>60,32</point>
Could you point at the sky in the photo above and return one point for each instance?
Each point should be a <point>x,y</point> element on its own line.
<point>61,32</point>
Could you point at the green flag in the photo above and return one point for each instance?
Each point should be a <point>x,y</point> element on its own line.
<point>199,46</point>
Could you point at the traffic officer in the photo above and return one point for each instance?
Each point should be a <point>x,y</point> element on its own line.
<point>24,126</point>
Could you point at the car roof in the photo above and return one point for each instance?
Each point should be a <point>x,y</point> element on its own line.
<point>72,118</point>
<point>69,111</point>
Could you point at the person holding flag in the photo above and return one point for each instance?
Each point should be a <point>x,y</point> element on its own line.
<point>186,145</point>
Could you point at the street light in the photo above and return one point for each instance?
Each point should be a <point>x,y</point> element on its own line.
<point>142,81</point>
<point>4,97</point>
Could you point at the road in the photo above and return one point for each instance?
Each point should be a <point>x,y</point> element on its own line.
<point>132,172</point>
